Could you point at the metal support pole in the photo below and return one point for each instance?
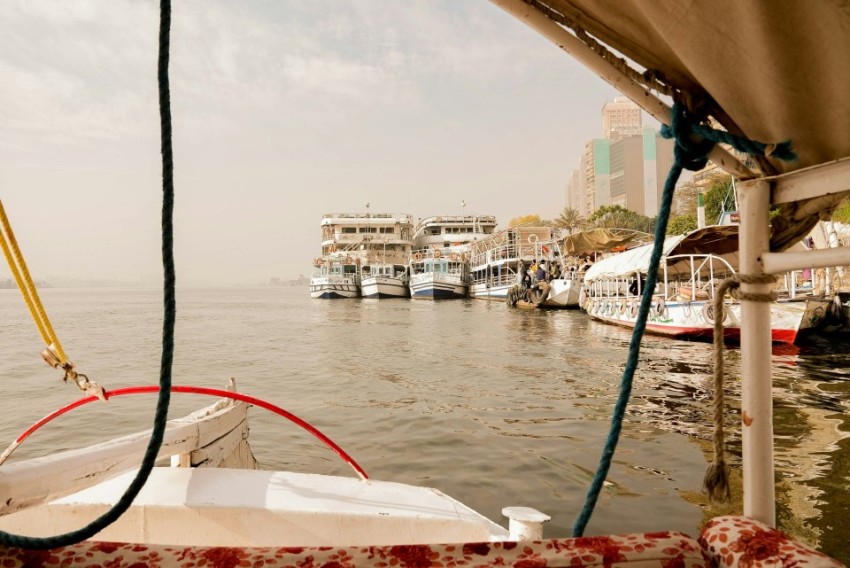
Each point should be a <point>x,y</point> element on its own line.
<point>756,391</point>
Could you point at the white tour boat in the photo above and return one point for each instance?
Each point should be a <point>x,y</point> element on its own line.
<point>496,261</point>
<point>439,265</point>
<point>791,84</point>
<point>335,276</point>
<point>362,250</point>
<point>383,280</point>
<point>439,273</point>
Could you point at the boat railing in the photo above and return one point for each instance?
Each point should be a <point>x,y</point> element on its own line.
<point>685,278</point>
<point>704,273</point>
<point>222,427</point>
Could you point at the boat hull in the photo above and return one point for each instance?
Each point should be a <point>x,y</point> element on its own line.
<point>485,292</point>
<point>563,293</point>
<point>693,320</point>
<point>384,287</point>
<point>428,287</point>
<point>330,289</point>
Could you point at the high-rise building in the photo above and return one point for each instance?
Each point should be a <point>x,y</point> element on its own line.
<point>596,171</point>
<point>574,198</point>
<point>628,167</point>
<point>639,166</point>
<point>620,119</point>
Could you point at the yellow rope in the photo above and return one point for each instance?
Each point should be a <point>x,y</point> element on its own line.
<point>22,276</point>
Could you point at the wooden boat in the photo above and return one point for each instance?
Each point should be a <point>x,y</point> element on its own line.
<point>682,303</point>
<point>790,86</point>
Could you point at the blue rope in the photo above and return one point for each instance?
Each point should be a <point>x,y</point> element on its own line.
<point>687,154</point>
<point>161,416</point>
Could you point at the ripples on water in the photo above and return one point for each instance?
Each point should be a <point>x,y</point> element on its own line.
<point>493,406</point>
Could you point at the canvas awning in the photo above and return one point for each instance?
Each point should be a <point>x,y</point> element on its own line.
<point>626,264</point>
<point>770,70</point>
<point>599,239</point>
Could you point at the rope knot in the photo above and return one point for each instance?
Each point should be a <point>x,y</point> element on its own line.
<point>691,154</point>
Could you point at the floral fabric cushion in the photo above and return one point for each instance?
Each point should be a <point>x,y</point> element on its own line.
<point>661,550</point>
<point>747,543</point>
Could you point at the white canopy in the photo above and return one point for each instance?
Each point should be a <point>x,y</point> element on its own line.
<point>717,240</point>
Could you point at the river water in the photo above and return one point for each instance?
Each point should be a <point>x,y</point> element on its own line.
<point>491,405</point>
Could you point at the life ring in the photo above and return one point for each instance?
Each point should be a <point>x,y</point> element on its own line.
<point>661,309</point>
<point>622,308</point>
<point>320,261</point>
<point>417,256</point>
<point>532,239</point>
<point>348,260</point>
<point>708,313</point>
<point>453,256</point>
<point>437,253</point>
<point>633,309</point>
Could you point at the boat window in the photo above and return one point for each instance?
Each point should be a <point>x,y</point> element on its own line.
<point>349,230</point>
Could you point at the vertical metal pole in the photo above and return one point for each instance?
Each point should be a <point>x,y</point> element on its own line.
<point>756,394</point>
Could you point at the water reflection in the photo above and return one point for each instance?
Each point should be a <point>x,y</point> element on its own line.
<point>494,406</point>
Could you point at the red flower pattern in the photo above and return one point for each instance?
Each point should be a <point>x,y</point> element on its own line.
<point>726,542</point>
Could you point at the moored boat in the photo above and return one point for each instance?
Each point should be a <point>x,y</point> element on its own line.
<point>335,276</point>
<point>692,267</point>
<point>497,262</point>
<point>383,280</point>
<point>362,249</point>
<point>439,274</point>
<point>452,231</point>
<point>439,266</point>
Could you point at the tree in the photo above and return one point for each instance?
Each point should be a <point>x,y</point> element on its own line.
<point>618,217</point>
<point>842,213</point>
<point>685,198</point>
<point>528,221</point>
<point>569,219</point>
<point>682,224</point>
<point>718,198</point>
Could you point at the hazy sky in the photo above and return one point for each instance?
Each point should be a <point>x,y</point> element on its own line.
<point>283,110</point>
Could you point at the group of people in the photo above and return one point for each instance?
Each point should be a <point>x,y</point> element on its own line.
<point>539,271</point>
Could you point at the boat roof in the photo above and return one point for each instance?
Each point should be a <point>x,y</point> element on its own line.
<point>769,71</point>
<point>600,239</point>
<point>366,218</point>
<point>717,240</point>
<point>476,220</point>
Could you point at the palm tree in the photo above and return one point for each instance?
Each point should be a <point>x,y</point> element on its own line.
<point>570,219</point>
